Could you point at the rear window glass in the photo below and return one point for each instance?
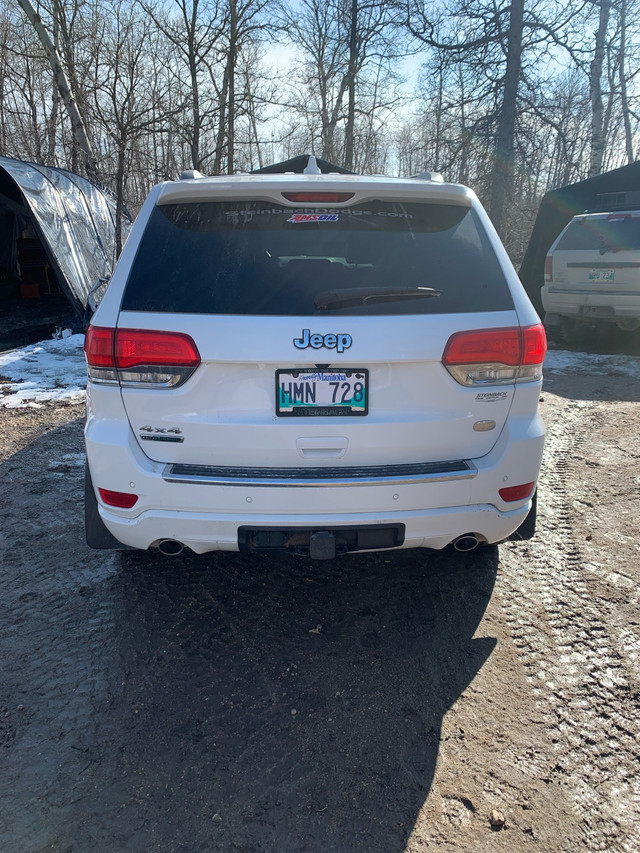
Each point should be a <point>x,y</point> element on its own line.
<point>267,259</point>
<point>606,235</point>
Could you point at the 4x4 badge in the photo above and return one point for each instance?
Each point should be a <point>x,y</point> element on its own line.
<point>339,341</point>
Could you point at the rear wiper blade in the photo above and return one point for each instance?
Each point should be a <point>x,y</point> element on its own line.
<point>362,295</point>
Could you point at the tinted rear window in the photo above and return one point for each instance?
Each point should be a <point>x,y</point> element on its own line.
<point>263,258</point>
<point>605,235</point>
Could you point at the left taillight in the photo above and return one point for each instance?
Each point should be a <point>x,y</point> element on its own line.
<point>139,357</point>
<point>496,356</point>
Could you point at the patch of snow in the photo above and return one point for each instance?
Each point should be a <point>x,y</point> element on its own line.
<point>49,370</point>
<point>563,361</point>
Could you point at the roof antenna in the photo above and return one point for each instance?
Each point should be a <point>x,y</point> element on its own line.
<point>312,167</point>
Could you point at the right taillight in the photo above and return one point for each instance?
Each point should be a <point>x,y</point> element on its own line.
<point>496,356</point>
<point>548,268</point>
<point>139,357</point>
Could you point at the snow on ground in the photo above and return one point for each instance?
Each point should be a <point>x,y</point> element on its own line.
<point>56,370</point>
<point>49,370</point>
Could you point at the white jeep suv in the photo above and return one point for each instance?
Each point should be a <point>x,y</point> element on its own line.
<point>313,362</point>
<point>592,272</point>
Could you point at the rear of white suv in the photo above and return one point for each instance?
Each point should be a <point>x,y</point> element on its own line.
<point>314,363</point>
<point>592,272</point>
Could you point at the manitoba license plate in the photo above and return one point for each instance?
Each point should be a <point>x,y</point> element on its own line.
<point>602,275</point>
<point>320,393</point>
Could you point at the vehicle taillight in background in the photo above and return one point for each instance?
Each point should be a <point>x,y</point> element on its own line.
<point>496,356</point>
<point>139,357</point>
<point>548,268</point>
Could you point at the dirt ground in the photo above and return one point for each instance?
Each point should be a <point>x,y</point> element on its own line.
<point>394,703</point>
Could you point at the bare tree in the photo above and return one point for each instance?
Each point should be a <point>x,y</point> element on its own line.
<point>64,88</point>
<point>128,98</point>
<point>595,89</point>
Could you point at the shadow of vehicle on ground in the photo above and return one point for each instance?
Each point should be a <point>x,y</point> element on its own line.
<point>223,702</point>
<point>275,704</point>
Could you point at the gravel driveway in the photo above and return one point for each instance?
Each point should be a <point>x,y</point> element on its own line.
<point>394,703</point>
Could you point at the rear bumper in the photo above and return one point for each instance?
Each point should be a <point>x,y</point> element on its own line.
<point>590,304</point>
<point>203,532</point>
<point>206,515</point>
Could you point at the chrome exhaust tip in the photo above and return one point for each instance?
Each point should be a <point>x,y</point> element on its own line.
<point>466,542</point>
<point>170,547</point>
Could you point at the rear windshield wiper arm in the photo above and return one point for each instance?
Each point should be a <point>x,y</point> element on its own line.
<point>362,295</point>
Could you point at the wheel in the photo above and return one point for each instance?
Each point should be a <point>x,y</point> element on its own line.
<point>96,533</point>
<point>528,527</point>
<point>570,332</point>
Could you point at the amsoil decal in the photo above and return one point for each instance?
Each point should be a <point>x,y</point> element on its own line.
<point>313,217</point>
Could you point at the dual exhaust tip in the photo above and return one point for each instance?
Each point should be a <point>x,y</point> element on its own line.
<point>464,543</point>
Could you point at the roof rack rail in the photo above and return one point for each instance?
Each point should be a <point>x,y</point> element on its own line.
<point>304,164</point>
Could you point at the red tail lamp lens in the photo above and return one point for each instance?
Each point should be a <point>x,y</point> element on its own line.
<point>516,493</point>
<point>484,346</point>
<point>548,268</point>
<point>534,344</point>
<point>122,500</point>
<point>334,198</point>
<point>142,347</point>
<point>98,347</point>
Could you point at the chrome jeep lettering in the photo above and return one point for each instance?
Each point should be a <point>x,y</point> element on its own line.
<point>339,341</point>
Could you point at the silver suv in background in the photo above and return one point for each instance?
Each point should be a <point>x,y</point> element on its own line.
<point>592,272</point>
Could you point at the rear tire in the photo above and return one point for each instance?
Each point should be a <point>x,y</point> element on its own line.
<point>96,533</point>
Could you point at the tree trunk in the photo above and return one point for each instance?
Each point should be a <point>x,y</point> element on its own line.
<point>63,86</point>
<point>122,148</point>
<point>504,156</point>
<point>624,99</point>
<point>351,86</point>
<point>595,91</point>
<point>231,117</point>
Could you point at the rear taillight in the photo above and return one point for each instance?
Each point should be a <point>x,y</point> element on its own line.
<point>140,357</point>
<point>496,356</point>
<point>548,268</point>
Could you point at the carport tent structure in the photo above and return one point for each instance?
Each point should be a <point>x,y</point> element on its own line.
<point>559,206</point>
<point>57,232</point>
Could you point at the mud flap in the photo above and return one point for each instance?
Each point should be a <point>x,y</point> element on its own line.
<point>96,533</point>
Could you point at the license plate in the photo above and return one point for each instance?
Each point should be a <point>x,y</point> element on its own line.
<point>602,275</point>
<point>320,393</point>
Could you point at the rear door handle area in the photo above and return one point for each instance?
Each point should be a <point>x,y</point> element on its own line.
<point>322,447</point>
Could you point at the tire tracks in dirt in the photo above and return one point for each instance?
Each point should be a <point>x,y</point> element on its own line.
<point>576,659</point>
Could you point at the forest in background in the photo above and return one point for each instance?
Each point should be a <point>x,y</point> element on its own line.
<point>512,98</point>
